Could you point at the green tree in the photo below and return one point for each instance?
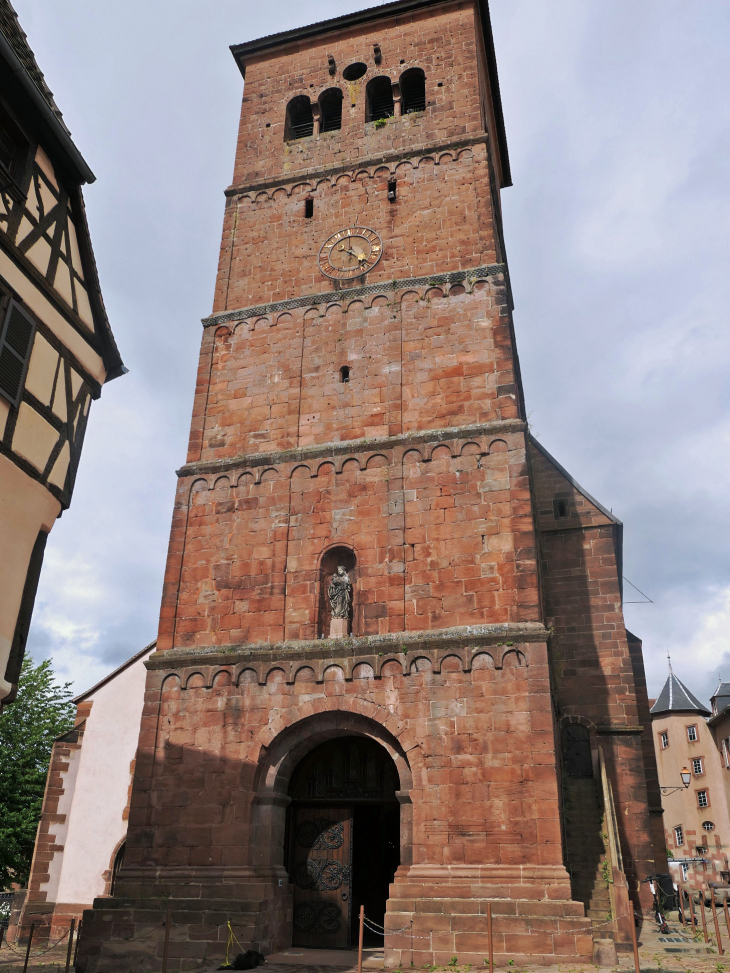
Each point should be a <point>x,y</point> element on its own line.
<point>42,711</point>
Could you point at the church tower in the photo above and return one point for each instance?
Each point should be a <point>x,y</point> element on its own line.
<point>391,648</point>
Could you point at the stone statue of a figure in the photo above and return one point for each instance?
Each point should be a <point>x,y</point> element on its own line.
<point>340,594</point>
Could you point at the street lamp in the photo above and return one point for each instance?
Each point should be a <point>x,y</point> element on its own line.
<point>686,778</point>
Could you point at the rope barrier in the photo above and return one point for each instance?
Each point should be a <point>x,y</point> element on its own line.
<point>370,924</point>
<point>21,952</point>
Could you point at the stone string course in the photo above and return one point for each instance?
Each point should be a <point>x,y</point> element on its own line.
<point>346,295</point>
<point>480,621</point>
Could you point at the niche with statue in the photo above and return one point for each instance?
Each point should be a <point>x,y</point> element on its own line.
<point>337,593</point>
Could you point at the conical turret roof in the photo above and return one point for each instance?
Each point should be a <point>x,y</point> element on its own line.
<point>676,698</point>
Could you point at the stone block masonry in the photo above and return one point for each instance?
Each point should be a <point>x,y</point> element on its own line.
<point>375,424</point>
<point>219,738</point>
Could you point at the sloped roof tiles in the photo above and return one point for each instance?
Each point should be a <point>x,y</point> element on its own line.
<point>676,698</point>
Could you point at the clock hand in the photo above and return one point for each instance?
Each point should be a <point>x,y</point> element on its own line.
<point>359,254</point>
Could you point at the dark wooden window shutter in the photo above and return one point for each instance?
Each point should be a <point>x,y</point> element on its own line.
<point>16,341</point>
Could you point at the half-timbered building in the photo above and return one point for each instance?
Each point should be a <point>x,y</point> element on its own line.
<point>56,345</point>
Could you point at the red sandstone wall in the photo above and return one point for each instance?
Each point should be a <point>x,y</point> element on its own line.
<point>441,220</point>
<point>442,41</point>
<point>419,359</point>
<point>443,537</point>
<point>592,664</point>
<point>659,844</point>
<point>201,746</point>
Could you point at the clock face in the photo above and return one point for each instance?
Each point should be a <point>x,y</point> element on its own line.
<point>350,253</point>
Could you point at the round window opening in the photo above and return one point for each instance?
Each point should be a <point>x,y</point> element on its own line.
<point>708,825</point>
<point>354,71</point>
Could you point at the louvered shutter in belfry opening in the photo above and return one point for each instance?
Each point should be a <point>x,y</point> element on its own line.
<point>16,339</point>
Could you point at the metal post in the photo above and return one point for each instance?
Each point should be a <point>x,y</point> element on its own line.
<point>490,941</point>
<point>692,911</point>
<point>720,950</point>
<point>27,952</point>
<point>166,945</point>
<point>727,914</point>
<point>704,917</point>
<point>634,942</point>
<point>680,899</point>
<point>70,944</point>
<point>359,939</point>
<point>78,940</point>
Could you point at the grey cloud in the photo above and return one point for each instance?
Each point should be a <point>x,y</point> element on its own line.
<point>617,234</point>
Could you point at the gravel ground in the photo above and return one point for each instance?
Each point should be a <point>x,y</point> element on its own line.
<point>675,953</point>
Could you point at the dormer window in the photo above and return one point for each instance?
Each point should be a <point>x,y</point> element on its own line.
<point>299,119</point>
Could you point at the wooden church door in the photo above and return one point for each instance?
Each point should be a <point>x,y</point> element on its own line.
<point>322,876</point>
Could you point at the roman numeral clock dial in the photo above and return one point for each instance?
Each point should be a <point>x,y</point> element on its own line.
<point>350,253</point>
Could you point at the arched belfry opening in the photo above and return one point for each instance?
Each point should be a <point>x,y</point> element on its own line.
<point>342,844</point>
<point>333,599</point>
<point>413,91</point>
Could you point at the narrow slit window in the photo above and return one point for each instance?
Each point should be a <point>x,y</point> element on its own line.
<point>308,208</point>
<point>330,106</point>
<point>413,90</point>
<point>379,99</point>
<point>299,119</point>
<point>679,836</point>
<point>561,509</point>
<point>664,738</point>
<point>345,373</point>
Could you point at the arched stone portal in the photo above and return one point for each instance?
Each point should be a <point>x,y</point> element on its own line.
<point>342,846</point>
<point>332,817</point>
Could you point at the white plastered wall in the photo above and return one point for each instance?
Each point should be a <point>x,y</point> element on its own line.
<point>26,507</point>
<point>95,824</point>
<point>60,828</point>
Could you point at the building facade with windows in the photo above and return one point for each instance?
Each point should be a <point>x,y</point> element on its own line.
<point>56,347</point>
<point>392,668</point>
<point>690,739</point>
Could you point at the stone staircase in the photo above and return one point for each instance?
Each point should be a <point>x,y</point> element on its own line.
<point>587,860</point>
<point>126,935</point>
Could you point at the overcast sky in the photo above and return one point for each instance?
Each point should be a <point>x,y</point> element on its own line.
<point>618,239</point>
